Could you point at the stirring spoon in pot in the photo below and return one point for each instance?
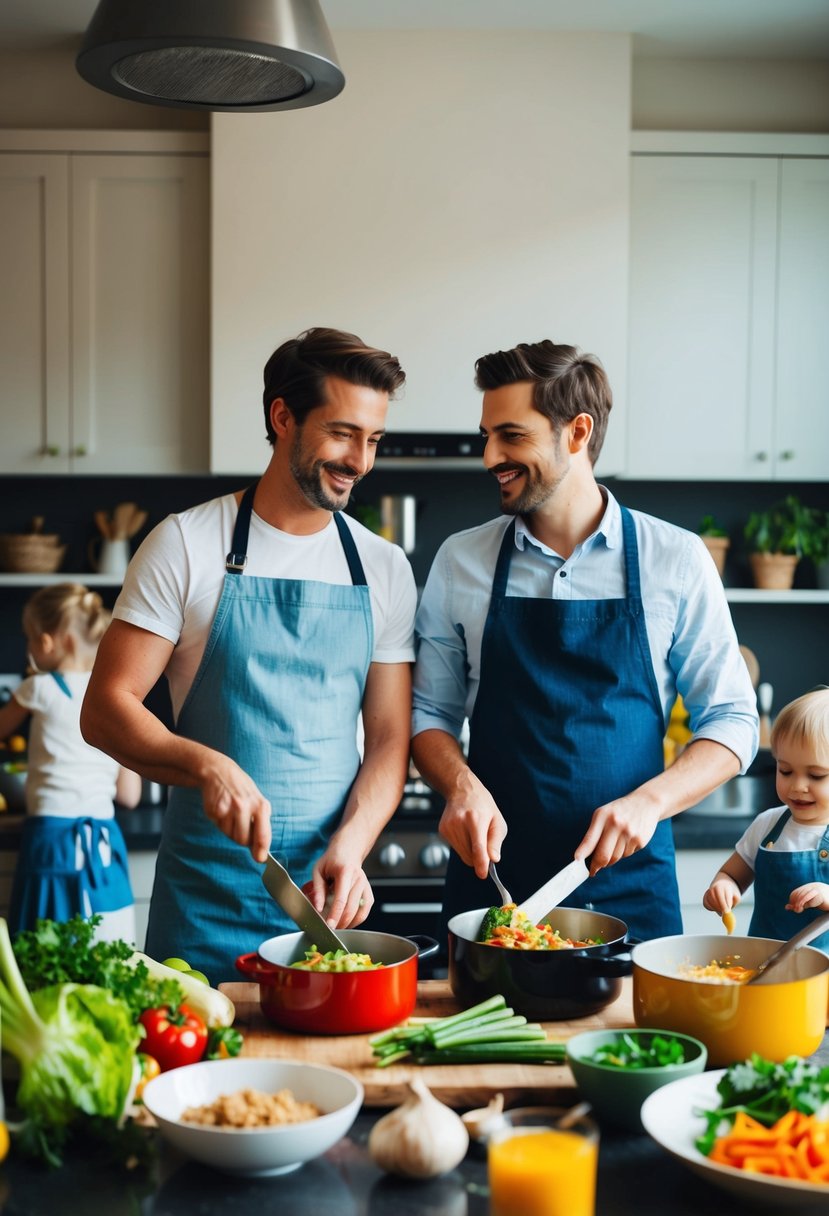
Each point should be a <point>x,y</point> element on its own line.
<point>506,898</point>
<point>819,925</point>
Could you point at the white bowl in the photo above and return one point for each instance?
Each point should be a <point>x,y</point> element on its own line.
<point>259,1151</point>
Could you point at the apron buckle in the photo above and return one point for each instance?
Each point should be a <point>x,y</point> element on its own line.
<point>236,562</point>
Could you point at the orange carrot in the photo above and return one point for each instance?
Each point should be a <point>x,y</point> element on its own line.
<point>796,1146</point>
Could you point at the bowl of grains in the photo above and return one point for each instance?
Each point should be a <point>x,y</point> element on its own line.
<point>253,1117</point>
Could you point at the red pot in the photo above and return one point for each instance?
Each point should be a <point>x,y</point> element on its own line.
<point>332,1002</point>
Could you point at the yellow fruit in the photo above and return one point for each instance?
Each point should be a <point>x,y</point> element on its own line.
<point>4,1141</point>
<point>4,806</point>
<point>17,743</point>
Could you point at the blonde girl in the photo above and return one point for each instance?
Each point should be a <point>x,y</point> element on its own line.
<point>72,857</point>
<point>785,851</point>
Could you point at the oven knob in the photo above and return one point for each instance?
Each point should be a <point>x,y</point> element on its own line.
<point>392,855</point>
<point>434,856</point>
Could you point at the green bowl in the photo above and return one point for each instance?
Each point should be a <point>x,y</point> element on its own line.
<point>617,1094</point>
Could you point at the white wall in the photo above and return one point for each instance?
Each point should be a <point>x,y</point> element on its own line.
<point>466,191</point>
<point>731,95</point>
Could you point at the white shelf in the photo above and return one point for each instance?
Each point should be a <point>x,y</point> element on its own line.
<point>750,595</point>
<point>62,576</point>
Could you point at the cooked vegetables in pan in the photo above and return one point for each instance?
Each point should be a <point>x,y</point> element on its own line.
<point>335,960</point>
<point>510,928</point>
<point>724,971</point>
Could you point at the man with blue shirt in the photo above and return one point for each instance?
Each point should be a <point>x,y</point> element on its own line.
<point>564,632</point>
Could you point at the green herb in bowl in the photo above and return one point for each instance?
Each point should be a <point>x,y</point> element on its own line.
<point>615,1070</point>
<point>632,1051</point>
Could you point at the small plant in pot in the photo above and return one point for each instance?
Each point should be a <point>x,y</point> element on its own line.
<point>818,546</point>
<point>716,541</point>
<point>777,539</point>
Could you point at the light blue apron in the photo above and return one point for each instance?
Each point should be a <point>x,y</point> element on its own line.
<point>582,724</point>
<point>279,690</point>
<point>68,867</point>
<point>776,874</point>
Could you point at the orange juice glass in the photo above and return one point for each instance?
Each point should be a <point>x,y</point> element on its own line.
<point>537,1168</point>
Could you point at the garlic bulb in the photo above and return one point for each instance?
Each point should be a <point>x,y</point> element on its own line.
<point>420,1139</point>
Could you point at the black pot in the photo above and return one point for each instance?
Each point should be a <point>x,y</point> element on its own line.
<point>544,985</point>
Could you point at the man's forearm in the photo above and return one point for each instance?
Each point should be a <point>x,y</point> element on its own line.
<point>440,761</point>
<point>700,769</point>
<point>126,730</point>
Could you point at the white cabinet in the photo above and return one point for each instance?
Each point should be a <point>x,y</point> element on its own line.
<point>694,870</point>
<point>728,308</point>
<point>104,315</point>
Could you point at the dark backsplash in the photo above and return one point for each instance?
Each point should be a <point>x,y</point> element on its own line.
<point>790,640</point>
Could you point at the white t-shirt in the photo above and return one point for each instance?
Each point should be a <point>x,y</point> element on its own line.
<point>66,776</point>
<point>174,581</point>
<point>794,838</point>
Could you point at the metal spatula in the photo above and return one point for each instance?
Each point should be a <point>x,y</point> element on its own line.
<point>819,925</point>
<point>553,892</point>
<point>293,900</point>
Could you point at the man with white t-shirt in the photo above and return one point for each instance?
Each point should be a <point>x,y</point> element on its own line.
<point>278,623</point>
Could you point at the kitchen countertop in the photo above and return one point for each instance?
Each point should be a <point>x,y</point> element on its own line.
<point>636,1178</point>
<point>142,829</point>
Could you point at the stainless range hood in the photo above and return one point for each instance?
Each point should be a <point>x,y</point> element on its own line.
<point>224,55</point>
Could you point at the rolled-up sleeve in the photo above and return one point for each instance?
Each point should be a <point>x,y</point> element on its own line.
<point>711,674</point>
<point>440,674</point>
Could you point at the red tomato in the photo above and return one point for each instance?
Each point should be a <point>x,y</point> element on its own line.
<point>173,1037</point>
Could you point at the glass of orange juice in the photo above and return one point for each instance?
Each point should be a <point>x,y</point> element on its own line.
<point>537,1168</point>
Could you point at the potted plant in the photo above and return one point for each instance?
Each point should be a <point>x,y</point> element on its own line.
<point>777,539</point>
<point>818,546</point>
<point>716,541</point>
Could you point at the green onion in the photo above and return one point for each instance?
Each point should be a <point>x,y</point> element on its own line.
<point>488,1032</point>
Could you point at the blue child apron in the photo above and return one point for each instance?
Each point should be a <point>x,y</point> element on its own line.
<point>68,866</point>
<point>279,690</point>
<point>776,874</point>
<point>567,718</point>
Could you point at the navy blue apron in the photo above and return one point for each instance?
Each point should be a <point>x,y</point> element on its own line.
<point>568,717</point>
<point>68,867</point>
<point>776,874</point>
<point>279,690</point>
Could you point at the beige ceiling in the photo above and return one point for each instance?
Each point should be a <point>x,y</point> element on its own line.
<point>733,29</point>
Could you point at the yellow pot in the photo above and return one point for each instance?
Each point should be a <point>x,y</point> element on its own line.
<point>779,1019</point>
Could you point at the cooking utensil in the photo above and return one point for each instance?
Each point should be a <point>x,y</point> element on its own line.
<point>136,522</point>
<point>765,695</point>
<point>506,898</point>
<point>337,1002</point>
<point>548,985</point>
<point>555,891</point>
<point>777,1019</point>
<point>293,900</point>
<point>819,925</point>
<point>121,517</point>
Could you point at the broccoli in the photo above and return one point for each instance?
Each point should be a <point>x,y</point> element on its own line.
<point>494,919</point>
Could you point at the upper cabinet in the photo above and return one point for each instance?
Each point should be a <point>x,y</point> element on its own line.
<point>728,312</point>
<point>104,317</point>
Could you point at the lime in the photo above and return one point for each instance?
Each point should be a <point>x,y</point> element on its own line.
<point>199,975</point>
<point>177,964</point>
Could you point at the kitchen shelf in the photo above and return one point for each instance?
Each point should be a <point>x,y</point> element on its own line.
<point>734,595</point>
<point>62,576</point>
<point>751,595</point>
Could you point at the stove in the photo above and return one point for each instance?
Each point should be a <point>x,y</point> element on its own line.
<point>407,870</point>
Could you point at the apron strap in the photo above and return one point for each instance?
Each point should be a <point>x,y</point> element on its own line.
<point>631,548</point>
<point>237,558</point>
<point>355,566</point>
<point>61,683</point>
<point>778,828</point>
<point>501,576</point>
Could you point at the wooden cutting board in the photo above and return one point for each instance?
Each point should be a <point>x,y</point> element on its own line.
<point>462,1086</point>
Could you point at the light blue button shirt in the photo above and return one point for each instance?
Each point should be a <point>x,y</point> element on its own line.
<point>692,641</point>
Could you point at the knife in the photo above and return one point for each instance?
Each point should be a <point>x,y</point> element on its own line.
<point>293,900</point>
<point>553,892</point>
